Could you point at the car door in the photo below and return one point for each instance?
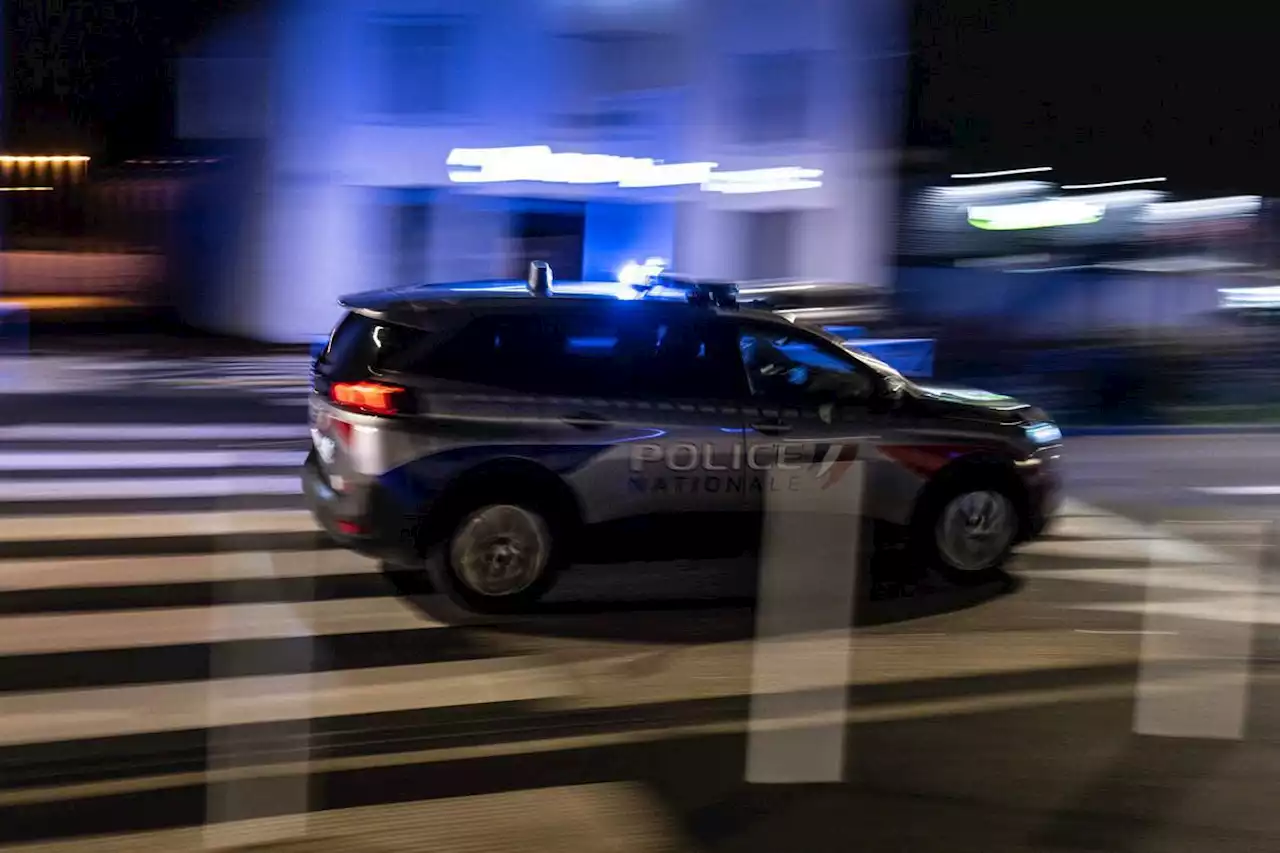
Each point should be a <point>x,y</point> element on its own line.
<point>655,390</point>
<point>813,410</point>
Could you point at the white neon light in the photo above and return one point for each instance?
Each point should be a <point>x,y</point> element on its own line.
<point>1180,211</point>
<point>764,180</point>
<point>1106,184</point>
<point>1249,297</point>
<point>1122,197</point>
<point>1035,214</point>
<point>1003,188</point>
<point>1002,173</point>
<point>538,163</point>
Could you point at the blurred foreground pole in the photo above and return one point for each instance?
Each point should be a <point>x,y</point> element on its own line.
<point>810,563</point>
<point>1197,642</point>
<point>262,810</point>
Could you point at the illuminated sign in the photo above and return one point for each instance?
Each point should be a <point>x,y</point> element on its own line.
<point>538,163</point>
<point>1050,213</point>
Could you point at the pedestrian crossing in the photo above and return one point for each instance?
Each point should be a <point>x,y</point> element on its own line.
<point>117,671</point>
<point>62,468</point>
<point>284,378</point>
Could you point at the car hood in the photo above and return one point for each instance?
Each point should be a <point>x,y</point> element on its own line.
<point>958,401</point>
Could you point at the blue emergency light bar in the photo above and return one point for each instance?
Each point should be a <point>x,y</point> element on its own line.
<point>720,294</point>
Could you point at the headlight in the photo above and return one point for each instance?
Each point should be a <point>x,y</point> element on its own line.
<point>1043,433</point>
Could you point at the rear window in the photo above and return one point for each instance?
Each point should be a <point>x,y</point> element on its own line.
<point>361,345</point>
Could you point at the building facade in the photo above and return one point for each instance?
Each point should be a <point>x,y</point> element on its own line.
<point>401,141</point>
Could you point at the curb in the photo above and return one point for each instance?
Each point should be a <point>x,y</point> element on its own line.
<point>1172,429</point>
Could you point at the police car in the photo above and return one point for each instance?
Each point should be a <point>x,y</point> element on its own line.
<point>487,433</point>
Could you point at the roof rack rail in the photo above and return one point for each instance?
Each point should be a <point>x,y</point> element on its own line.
<point>720,294</point>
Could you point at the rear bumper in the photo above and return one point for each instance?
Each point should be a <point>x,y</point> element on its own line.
<point>368,523</point>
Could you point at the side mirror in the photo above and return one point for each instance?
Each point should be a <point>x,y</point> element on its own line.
<point>888,394</point>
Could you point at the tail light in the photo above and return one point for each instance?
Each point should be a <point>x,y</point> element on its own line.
<point>372,398</point>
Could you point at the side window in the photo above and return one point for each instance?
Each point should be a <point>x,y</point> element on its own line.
<point>502,351</point>
<point>792,367</point>
<point>618,351</point>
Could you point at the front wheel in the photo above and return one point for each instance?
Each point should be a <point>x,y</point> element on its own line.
<point>497,558</point>
<point>966,531</point>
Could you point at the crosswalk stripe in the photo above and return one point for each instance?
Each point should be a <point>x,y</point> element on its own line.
<point>88,573</point>
<point>1234,609</point>
<point>80,632</point>
<point>1167,578</point>
<point>614,817</point>
<point>77,714</point>
<point>153,525</point>
<point>167,487</point>
<point>1239,491</point>
<point>150,432</point>
<point>90,460</point>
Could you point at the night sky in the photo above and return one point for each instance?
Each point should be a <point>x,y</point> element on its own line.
<point>1099,90</point>
<point>1103,90</point>
<point>95,76</point>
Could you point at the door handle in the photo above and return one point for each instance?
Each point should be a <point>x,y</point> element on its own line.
<point>585,421</point>
<point>772,427</point>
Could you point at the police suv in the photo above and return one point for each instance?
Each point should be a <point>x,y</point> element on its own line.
<point>491,434</point>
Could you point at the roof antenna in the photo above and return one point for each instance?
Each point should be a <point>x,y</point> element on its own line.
<point>540,278</point>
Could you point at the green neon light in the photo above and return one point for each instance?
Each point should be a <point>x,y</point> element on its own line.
<point>1051,213</point>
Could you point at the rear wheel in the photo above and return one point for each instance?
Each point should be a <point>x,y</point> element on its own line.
<point>967,528</point>
<point>499,556</point>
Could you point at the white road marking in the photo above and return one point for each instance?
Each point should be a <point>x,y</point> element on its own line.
<point>45,528</point>
<point>74,714</point>
<point>228,752</point>
<point>149,432</point>
<point>1198,637</point>
<point>47,633</point>
<point>159,487</point>
<point>96,460</point>
<point>82,572</point>
<point>809,565</point>
<point>611,817</point>
<point>1238,491</point>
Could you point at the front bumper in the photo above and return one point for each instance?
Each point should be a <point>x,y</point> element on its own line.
<point>366,521</point>
<point>1042,482</point>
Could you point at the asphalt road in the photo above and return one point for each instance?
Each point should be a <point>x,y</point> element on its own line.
<point>1227,476</point>
<point>292,695</point>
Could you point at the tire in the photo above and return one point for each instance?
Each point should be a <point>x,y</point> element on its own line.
<point>499,554</point>
<point>966,528</point>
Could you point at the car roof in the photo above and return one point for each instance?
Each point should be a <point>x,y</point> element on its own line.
<point>414,304</point>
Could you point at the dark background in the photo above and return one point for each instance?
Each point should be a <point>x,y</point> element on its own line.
<point>1099,90</point>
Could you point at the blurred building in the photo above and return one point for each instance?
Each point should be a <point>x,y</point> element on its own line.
<point>733,138</point>
<point>82,235</point>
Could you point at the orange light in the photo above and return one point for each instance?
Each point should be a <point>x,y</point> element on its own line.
<point>370,397</point>
<point>67,302</point>
<point>25,159</point>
